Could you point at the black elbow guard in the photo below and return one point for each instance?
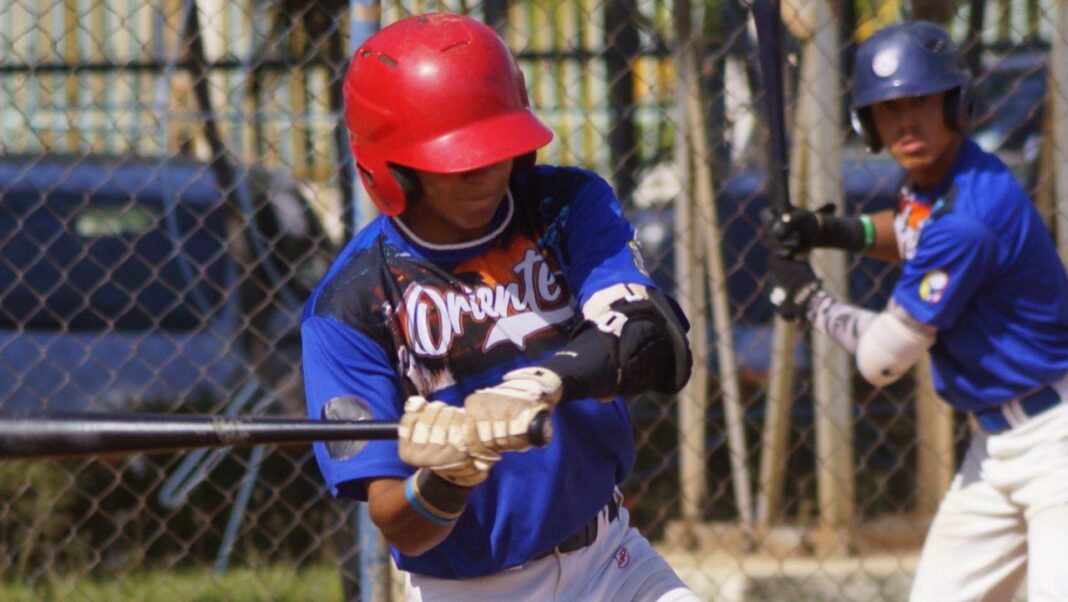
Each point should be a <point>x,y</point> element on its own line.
<point>634,346</point>
<point>677,326</point>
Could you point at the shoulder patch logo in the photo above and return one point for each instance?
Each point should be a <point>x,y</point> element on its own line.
<point>636,253</point>
<point>933,286</point>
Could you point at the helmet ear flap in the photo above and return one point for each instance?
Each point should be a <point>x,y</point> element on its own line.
<point>381,184</point>
<point>864,126</point>
<point>959,108</point>
<point>408,182</point>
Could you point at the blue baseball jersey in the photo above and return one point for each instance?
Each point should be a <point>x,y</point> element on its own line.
<point>981,267</point>
<point>395,317</point>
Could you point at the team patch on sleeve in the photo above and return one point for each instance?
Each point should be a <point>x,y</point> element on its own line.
<point>345,407</point>
<point>933,286</point>
<point>636,253</point>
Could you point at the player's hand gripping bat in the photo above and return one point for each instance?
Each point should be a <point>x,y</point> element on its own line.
<point>791,278</point>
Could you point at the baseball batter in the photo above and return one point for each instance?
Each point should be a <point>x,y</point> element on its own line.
<point>490,290</point>
<point>983,290</point>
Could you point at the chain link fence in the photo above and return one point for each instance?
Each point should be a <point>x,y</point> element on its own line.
<point>174,180</point>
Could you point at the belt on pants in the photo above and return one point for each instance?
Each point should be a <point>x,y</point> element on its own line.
<point>587,534</point>
<point>1014,412</point>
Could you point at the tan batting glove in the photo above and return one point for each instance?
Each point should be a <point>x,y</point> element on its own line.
<point>503,413</point>
<point>442,438</point>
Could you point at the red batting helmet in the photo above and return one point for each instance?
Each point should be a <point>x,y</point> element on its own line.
<point>438,93</point>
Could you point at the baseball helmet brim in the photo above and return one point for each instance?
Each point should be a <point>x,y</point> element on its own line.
<point>485,142</point>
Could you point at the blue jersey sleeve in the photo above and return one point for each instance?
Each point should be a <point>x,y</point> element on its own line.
<point>339,362</point>
<point>954,257</point>
<point>600,242</point>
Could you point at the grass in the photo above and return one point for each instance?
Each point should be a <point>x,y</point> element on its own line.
<point>321,583</point>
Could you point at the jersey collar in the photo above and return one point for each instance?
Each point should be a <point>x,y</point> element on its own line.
<point>502,220</point>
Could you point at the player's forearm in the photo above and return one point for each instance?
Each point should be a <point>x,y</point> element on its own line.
<point>885,344</point>
<point>884,246</point>
<point>841,322</point>
<point>868,234</point>
<point>403,527</point>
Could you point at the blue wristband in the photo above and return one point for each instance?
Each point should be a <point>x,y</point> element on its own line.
<point>417,505</point>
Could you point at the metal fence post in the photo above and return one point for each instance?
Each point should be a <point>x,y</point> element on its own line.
<point>1058,89</point>
<point>692,400</point>
<point>819,116</point>
<point>706,225</point>
<point>364,18</point>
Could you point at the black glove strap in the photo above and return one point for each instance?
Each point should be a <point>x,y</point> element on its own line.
<point>841,233</point>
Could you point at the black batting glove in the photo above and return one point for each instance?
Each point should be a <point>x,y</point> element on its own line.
<point>792,234</point>
<point>793,284</point>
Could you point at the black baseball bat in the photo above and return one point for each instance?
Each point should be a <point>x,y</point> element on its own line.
<point>768,20</point>
<point>65,435</point>
<point>59,435</point>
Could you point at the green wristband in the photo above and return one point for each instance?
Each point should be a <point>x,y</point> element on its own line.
<point>869,232</point>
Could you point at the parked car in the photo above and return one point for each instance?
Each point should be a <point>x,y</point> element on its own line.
<point>131,279</point>
<point>1010,94</point>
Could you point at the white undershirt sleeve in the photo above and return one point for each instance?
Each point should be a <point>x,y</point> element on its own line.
<point>841,322</point>
<point>886,344</point>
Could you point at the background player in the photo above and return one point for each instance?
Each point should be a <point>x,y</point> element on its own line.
<point>502,287</point>
<point>982,287</point>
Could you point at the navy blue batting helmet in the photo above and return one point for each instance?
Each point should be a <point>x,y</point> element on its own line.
<point>909,59</point>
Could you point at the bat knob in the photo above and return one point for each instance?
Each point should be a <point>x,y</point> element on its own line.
<point>540,431</point>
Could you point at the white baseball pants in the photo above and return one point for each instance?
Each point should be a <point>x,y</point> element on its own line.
<point>1005,516</point>
<point>620,566</point>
